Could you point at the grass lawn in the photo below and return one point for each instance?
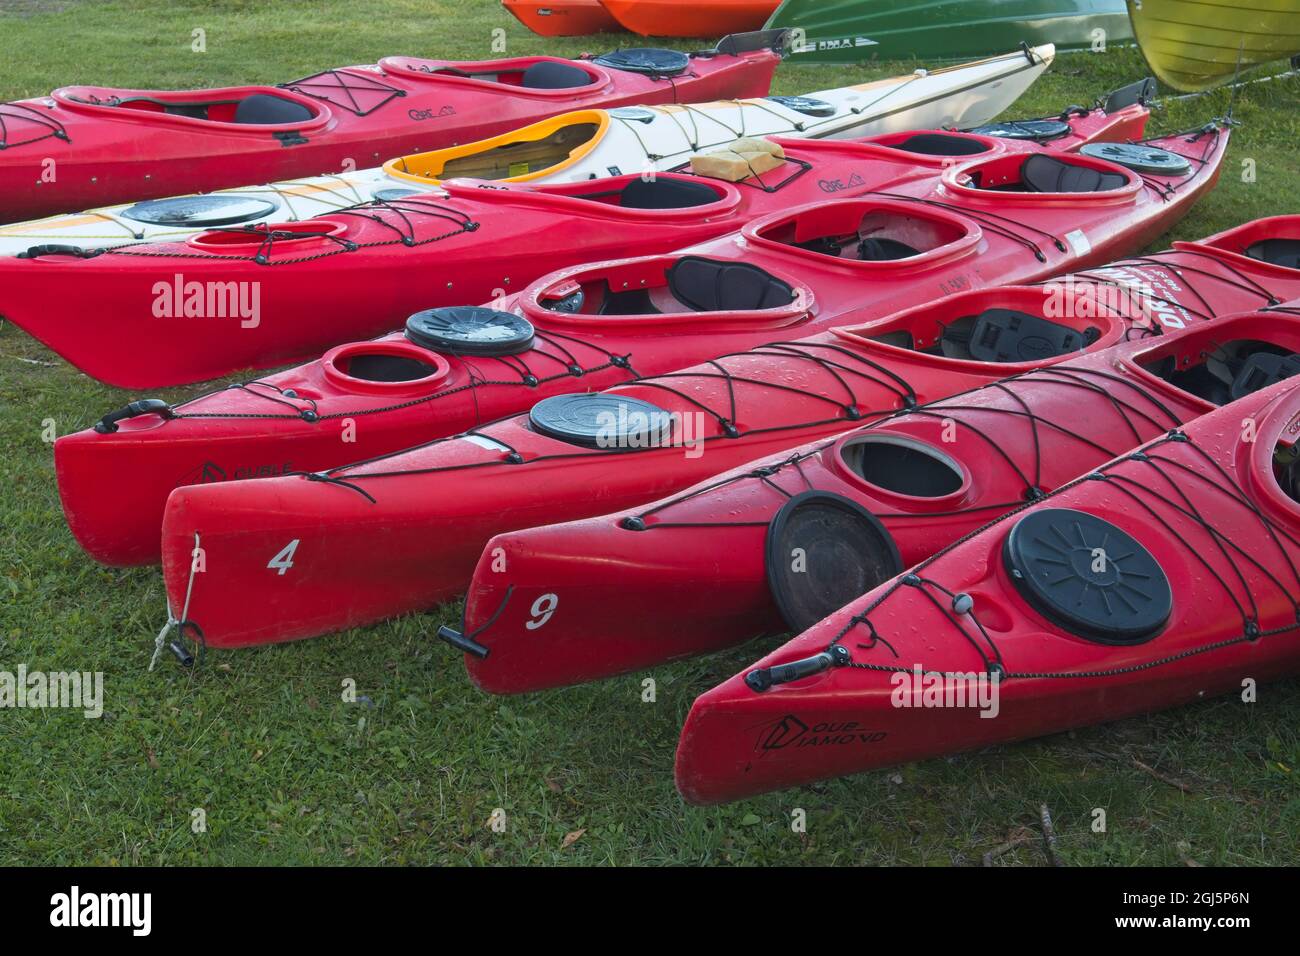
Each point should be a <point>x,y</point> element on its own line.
<point>287,772</point>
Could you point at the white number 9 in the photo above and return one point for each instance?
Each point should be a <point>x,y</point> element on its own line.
<point>542,610</point>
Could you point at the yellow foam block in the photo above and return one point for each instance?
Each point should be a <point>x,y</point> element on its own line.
<point>739,161</point>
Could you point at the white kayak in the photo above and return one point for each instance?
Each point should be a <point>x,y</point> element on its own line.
<point>588,144</point>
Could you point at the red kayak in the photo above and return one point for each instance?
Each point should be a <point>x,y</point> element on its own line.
<point>116,145</point>
<point>310,554</point>
<point>155,314</point>
<point>413,386</point>
<point>1165,576</point>
<point>690,18</point>
<point>563,18</point>
<point>716,565</point>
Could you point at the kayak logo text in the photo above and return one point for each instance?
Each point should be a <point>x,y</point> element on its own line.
<point>421,115</point>
<point>75,909</point>
<point>181,299</point>
<point>839,185</point>
<point>790,731</point>
<point>633,428</point>
<point>832,43</point>
<point>1150,296</point>
<point>923,689</point>
<point>53,690</point>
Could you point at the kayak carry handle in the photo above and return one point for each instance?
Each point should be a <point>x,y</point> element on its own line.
<point>145,406</point>
<point>462,643</point>
<point>766,677</point>
<point>55,249</point>
<point>735,44</point>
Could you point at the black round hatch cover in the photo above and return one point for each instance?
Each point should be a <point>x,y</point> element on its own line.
<point>604,420</point>
<point>388,195</point>
<point>1139,158</point>
<point>807,105</point>
<point>1040,131</point>
<point>470,330</point>
<point>823,551</point>
<point>649,60</point>
<point>201,211</point>
<point>1088,576</point>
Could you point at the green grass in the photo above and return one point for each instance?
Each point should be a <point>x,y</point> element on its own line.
<point>289,773</point>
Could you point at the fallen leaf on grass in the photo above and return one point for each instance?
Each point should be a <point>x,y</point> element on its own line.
<point>572,838</point>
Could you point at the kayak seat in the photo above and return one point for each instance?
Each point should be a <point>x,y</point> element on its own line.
<point>1046,174</point>
<point>191,111</point>
<point>885,250</point>
<point>938,144</point>
<point>1261,370</point>
<point>1233,370</point>
<point>707,285</point>
<point>554,76</point>
<point>665,193</point>
<point>867,250</point>
<point>632,302</point>
<point>998,336</point>
<point>1278,252</point>
<point>262,109</point>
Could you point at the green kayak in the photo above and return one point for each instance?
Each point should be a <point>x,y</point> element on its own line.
<point>850,31</point>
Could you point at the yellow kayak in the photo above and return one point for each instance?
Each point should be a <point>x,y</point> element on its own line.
<point>1194,45</point>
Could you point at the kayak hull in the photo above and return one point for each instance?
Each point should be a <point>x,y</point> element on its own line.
<point>582,145</point>
<point>684,18</point>
<point>1197,46</point>
<point>1230,615</point>
<point>690,574</point>
<point>220,437</point>
<point>248,433</point>
<point>441,502</point>
<point>565,18</point>
<point>852,31</point>
<point>83,147</point>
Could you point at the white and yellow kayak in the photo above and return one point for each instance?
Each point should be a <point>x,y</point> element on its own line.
<point>588,144</point>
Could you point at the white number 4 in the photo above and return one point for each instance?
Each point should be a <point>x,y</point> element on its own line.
<point>542,610</point>
<point>283,561</point>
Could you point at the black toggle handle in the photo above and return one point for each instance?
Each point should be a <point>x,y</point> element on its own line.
<point>760,680</point>
<point>55,249</point>
<point>182,653</point>
<point>145,406</point>
<point>462,643</point>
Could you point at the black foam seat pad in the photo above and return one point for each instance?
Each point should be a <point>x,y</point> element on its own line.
<point>663,192</point>
<point>548,75</point>
<point>1047,174</point>
<point>707,285</point>
<point>1278,252</point>
<point>262,109</point>
<point>940,144</point>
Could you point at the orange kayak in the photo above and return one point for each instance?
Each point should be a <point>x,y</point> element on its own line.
<point>690,18</point>
<point>565,18</point>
